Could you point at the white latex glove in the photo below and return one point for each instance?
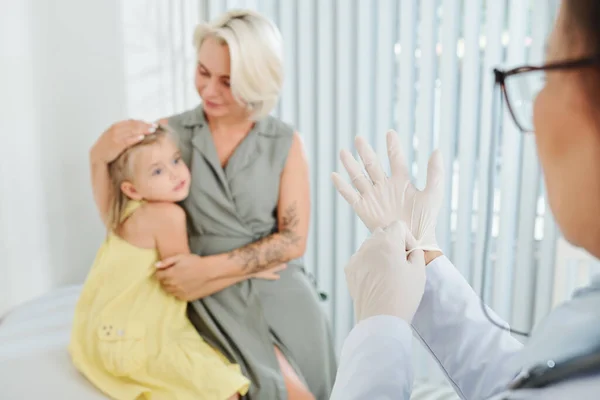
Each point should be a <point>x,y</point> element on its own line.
<point>381,280</point>
<point>379,199</point>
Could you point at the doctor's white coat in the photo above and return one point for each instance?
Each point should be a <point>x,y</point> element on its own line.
<point>479,359</point>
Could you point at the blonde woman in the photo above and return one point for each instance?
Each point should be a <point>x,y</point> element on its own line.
<point>248,212</point>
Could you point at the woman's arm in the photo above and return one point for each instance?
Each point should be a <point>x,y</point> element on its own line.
<point>478,357</point>
<point>101,187</point>
<point>185,275</point>
<point>107,148</point>
<point>293,214</point>
<point>170,235</point>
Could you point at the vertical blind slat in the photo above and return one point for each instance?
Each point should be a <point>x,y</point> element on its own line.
<point>541,24</point>
<point>325,148</point>
<point>215,8</point>
<point>289,95</point>
<point>427,78</point>
<point>448,113</point>
<point>405,124</point>
<point>468,131</point>
<point>253,4</point>
<point>171,64</point>
<point>307,110</point>
<point>345,129</point>
<point>186,10</point>
<point>425,366</point>
<point>365,85</point>
<point>494,26</point>
<point>524,282</point>
<point>203,12</point>
<point>385,76</point>
<point>524,274</point>
<point>511,162</point>
<point>269,9</point>
<point>546,269</point>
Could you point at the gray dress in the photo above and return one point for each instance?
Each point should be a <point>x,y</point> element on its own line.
<point>229,208</point>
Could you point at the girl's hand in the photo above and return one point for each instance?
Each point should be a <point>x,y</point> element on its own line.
<point>118,138</point>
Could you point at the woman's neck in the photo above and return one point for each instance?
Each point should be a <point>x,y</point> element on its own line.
<point>229,124</point>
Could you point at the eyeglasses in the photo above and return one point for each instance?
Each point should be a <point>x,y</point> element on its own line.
<point>520,87</point>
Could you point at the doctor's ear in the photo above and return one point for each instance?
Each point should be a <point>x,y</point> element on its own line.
<point>129,190</point>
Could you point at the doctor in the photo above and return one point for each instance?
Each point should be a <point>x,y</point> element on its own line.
<point>394,292</point>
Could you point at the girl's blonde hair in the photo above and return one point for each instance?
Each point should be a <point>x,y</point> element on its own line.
<point>255,49</point>
<point>121,169</point>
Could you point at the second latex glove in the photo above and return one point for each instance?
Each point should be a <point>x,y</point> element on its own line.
<point>382,280</point>
<point>378,200</point>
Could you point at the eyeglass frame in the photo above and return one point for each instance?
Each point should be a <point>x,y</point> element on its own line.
<point>500,77</point>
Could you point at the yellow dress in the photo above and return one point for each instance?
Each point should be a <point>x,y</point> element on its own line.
<point>132,340</point>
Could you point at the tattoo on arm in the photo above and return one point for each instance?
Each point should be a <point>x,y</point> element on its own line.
<point>271,250</point>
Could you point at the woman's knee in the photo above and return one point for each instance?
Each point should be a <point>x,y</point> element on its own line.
<point>294,385</point>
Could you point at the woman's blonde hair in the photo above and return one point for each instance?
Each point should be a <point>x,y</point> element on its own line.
<point>121,169</point>
<point>255,49</point>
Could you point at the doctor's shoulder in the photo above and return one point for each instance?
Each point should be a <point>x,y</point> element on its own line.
<point>562,358</point>
<point>581,388</point>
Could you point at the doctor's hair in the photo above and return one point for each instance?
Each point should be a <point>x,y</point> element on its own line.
<point>256,54</point>
<point>121,170</point>
<point>582,26</point>
<point>583,17</point>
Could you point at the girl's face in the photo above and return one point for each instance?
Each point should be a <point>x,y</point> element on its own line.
<point>159,173</point>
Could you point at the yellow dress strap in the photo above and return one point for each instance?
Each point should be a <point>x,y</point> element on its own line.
<point>131,206</point>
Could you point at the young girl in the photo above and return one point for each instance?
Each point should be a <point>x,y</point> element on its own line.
<point>130,338</point>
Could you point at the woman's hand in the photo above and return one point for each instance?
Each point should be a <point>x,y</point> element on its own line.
<point>271,274</point>
<point>186,276</point>
<point>118,138</point>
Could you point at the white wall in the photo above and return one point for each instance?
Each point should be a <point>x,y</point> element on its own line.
<point>62,80</point>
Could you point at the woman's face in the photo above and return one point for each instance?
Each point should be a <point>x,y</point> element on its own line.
<point>568,142</point>
<point>212,80</point>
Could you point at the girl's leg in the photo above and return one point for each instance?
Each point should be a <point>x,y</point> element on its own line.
<point>295,388</point>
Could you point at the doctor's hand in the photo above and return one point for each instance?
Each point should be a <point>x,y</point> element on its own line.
<point>378,199</point>
<point>382,280</point>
